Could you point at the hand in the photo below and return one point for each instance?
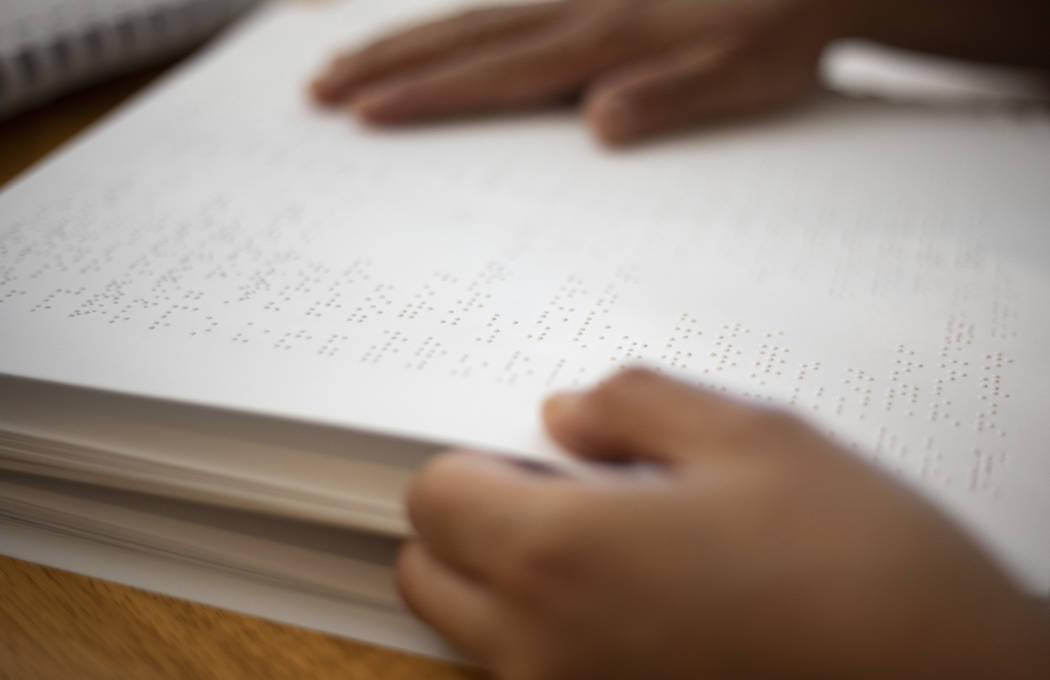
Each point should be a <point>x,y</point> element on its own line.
<point>646,66</point>
<point>758,549</point>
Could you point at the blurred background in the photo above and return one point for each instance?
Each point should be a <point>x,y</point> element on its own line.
<point>50,49</point>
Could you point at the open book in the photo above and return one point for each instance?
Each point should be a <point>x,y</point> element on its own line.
<point>233,325</point>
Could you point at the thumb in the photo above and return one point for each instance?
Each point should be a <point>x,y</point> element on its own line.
<point>641,415</point>
<point>710,81</point>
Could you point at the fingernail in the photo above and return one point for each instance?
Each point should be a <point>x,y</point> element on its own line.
<point>559,405</point>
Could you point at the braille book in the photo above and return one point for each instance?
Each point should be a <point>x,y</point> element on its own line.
<point>233,324</point>
<point>48,47</point>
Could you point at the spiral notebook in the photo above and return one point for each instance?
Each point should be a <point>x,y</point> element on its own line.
<point>49,47</point>
<point>232,324</point>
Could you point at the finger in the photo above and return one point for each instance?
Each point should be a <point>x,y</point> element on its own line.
<point>458,608</point>
<point>426,44</point>
<point>533,70</point>
<point>466,507</point>
<point>697,84</point>
<point>639,414</point>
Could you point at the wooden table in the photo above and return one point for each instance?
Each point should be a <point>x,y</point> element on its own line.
<point>54,624</point>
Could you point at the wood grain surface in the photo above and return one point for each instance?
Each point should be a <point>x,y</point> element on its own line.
<point>57,625</point>
<point>54,624</point>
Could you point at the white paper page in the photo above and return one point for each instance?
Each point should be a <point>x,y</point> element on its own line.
<point>881,269</point>
<point>864,68</point>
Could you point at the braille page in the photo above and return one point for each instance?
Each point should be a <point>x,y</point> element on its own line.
<point>883,270</point>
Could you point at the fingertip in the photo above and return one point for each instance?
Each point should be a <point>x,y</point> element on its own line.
<point>567,422</point>
<point>383,104</point>
<point>454,604</point>
<point>636,414</point>
<point>403,563</point>
<point>333,83</point>
<point>321,91</point>
<point>450,479</point>
<point>438,473</point>
<point>367,106</point>
<point>559,406</point>
<point>614,119</point>
<point>409,557</point>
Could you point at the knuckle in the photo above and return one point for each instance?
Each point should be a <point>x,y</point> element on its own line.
<point>536,557</point>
